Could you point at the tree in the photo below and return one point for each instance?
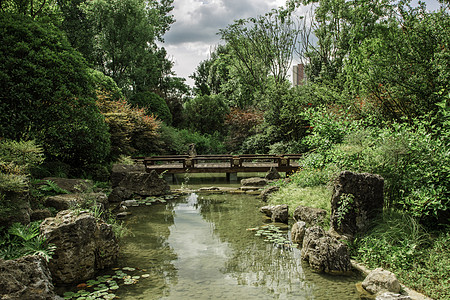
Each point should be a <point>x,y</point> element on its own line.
<point>30,8</point>
<point>206,114</point>
<point>263,45</point>
<point>403,71</point>
<point>47,93</point>
<point>126,32</point>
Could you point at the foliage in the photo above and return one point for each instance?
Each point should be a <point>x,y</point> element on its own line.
<point>241,124</point>
<point>263,45</point>
<point>177,141</point>
<point>130,128</point>
<point>105,85</point>
<point>206,114</point>
<point>412,159</point>
<point>16,160</point>
<point>124,40</point>
<point>153,104</point>
<point>401,69</point>
<point>47,94</point>
<point>21,240</point>
<point>29,8</point>
<point>398,242</point>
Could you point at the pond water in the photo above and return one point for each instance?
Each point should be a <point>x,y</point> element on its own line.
<point>198,247</point>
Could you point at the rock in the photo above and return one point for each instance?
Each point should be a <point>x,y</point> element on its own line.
<point>206,189</point>
<point>26,278</point>
<point>129,203</point>
<point>68,201</point>
<point>40,214</point>
<point>298,232</point>
<point>363,294</point>
<point>144,184</point>
<point>118,194</point>
<point>119,172</point>
<point>84,245</point>
<point>357,199</point>
<point>312,216</point>
<point>63,201</point>
<point>272,174</point>
<point>380,280</point>
<point>255,181</point>
<point>277,213</point>
<point>266,192</point>
<point>123,215</point>
<point>15,208</point>
<point>72,185</point>
<point>392,296</point>
<point>325,253</point>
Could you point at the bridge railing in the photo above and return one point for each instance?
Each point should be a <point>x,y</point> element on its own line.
<point>235,161</point>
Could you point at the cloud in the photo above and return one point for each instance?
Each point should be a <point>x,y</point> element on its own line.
<point>194,32</point>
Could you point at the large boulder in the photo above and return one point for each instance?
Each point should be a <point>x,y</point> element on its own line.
<point>68,201</point>
<point>84,245</point>
<point>15,207</point>
<point>72,185</point>
<point>140,184</point>
<point>120,171</point>
<point>254,181</point>
<point>357,199</point>
<point>379,281</point>
<point>325,253</point>
<point>268,191</point>
<point>277,213</point>
<point>26,278</point>
<point>298,232</point>
<point>312,216</point>
<point>272,174</point>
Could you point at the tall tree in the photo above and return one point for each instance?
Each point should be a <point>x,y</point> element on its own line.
<point>263,45</point>
<point>126,32</point>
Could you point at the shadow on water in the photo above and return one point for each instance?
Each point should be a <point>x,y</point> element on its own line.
<point>197,247</point>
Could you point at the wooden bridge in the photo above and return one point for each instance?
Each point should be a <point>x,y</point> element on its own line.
<point>229,164</point>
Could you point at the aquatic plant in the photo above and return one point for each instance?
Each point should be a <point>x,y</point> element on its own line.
<point>273,234</point>
<point>105,286</point>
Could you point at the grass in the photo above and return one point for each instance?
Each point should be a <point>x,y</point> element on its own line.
<point>316,196</point>
<point>400,244</point>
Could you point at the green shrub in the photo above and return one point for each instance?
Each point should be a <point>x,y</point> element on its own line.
<point>206,114</point>
<point>153,104</point>
<point>20,240</point>
<point>47,93</point>
<point>16,161</point>
<point>399,243</point>
<point>176,141</point>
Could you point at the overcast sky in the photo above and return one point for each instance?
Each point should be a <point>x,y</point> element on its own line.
<point>194,32</point>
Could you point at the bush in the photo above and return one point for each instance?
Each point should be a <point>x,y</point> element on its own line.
<point>206,114</point>
<point>130,128</point>
<point>16,161</point>
<point>412,158</point>
<point>47,93</point>
<point>399,243</point>
<point>241,124</point>
<point>176,141</point>
<point>153,105</point>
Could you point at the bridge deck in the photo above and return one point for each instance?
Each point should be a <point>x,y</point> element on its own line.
<point>221,163</point>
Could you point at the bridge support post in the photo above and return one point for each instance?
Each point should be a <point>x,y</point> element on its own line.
<point>231,177</point>
<point>170,178</point>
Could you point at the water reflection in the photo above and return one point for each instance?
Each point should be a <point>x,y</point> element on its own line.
<point>199,248</point>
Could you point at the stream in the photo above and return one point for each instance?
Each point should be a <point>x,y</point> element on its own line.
<point>198,247</point>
